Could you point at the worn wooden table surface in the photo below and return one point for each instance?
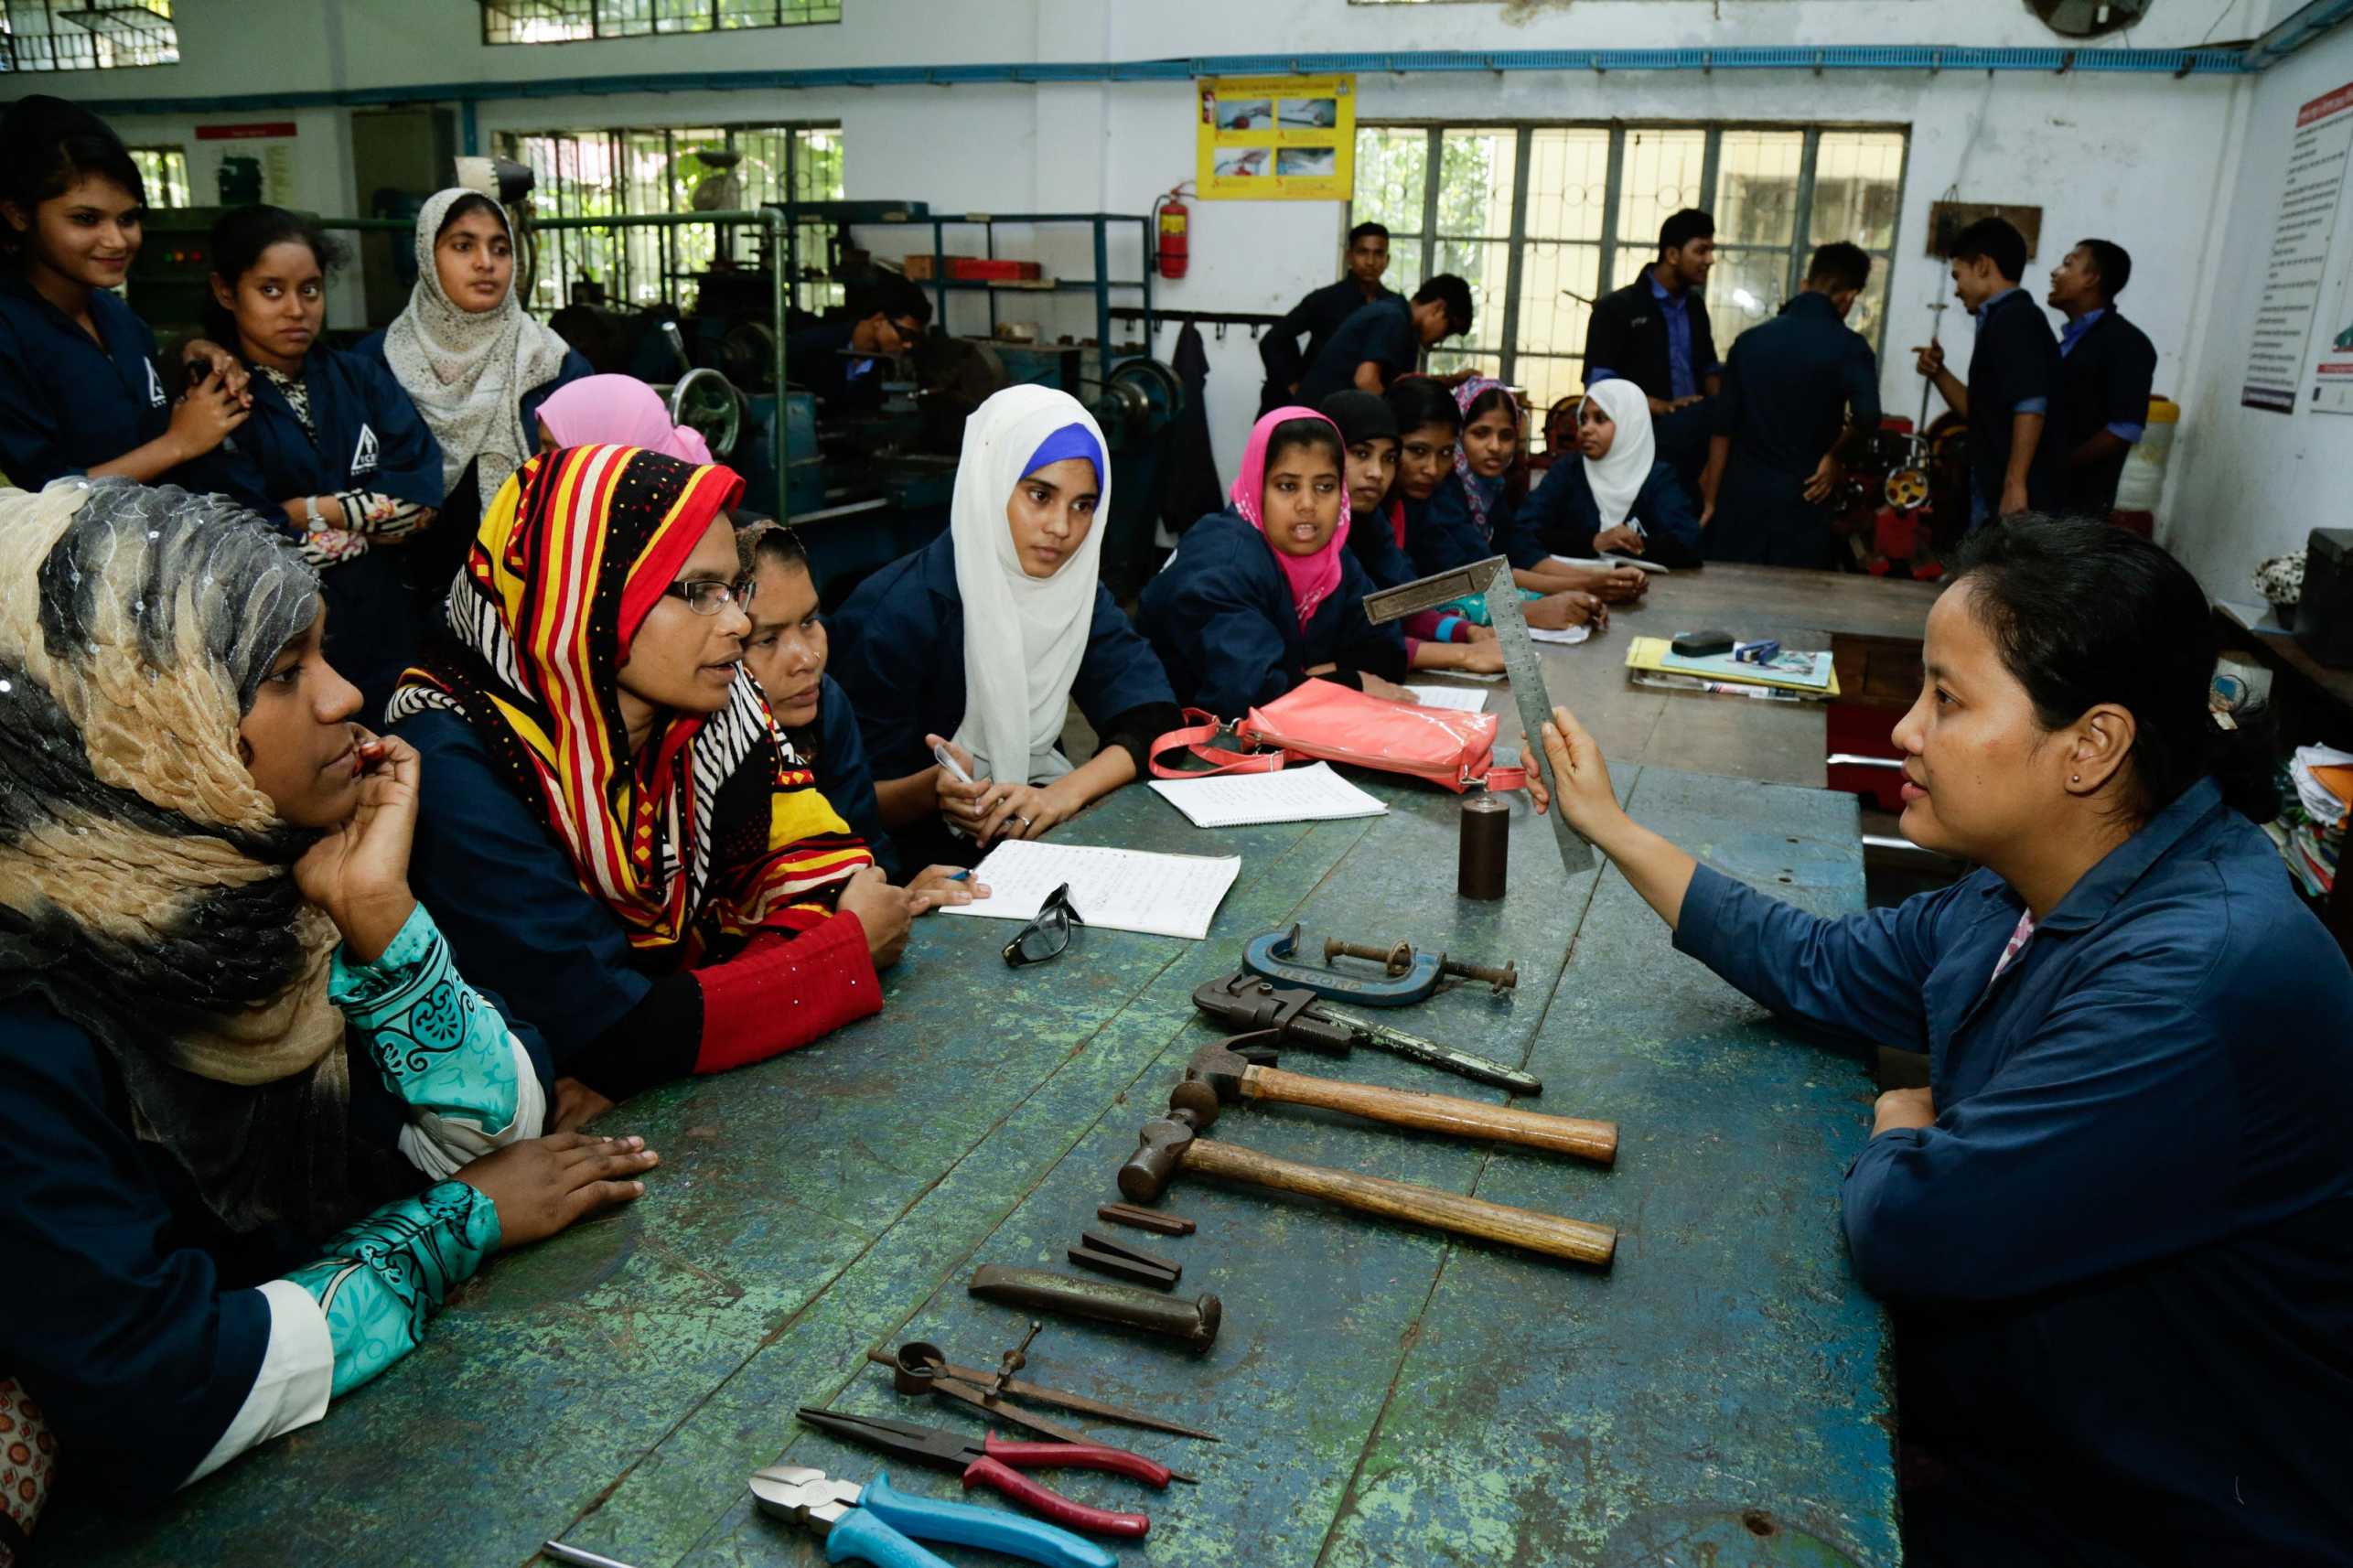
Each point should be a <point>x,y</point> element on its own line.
<point>1720,1395</point>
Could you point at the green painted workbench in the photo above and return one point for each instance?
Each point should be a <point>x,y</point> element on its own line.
<point>1721,1395</point>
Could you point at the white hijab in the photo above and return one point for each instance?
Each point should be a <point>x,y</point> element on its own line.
<point>1023,636</point>
<point>468,370</point>
<point>1619,477</point>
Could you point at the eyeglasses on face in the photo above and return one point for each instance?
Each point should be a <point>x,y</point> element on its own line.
<point>708,595</point>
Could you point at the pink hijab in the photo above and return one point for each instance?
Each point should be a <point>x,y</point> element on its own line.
<point>1313,577</point>
<point>619,411</point>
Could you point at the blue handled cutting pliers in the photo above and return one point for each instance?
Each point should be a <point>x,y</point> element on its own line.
<point>879,1525</point>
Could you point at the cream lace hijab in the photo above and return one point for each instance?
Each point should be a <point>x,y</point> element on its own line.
<point>146,886</point>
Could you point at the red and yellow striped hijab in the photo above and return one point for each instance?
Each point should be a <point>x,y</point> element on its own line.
<point>716,829</point>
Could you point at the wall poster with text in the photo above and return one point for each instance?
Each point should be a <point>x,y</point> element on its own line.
<point>1275,138</point>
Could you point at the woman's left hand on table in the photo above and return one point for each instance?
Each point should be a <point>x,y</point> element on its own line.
<point>1026,811</point>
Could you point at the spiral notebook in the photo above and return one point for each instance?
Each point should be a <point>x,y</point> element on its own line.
<point>1314,794</point>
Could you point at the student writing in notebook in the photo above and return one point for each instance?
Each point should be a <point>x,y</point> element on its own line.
<point>1614,495</point>
<point>978,644</point>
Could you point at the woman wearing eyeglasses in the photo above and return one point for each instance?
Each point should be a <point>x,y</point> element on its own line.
<point>611,835</point>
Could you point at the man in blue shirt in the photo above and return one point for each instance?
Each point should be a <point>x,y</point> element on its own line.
<point>1800,391</point>
<point>1655,333</point>
<point>1384,340</point>
<point>1321,314</point>
<point>2013,439</point>
<point>2107,366</point>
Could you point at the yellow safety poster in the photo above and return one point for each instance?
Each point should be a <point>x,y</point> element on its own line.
<point>1276,138</point>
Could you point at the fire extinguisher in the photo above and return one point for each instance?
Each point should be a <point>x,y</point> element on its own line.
<point>1175,249</point>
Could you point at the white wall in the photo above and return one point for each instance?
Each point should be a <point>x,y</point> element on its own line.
<point>2247,483</point>
<point>2144,160</point>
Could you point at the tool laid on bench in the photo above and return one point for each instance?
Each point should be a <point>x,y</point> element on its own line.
<point>1492,577</point>
<point>876,1523</point>
<point>1106,1255</point>
<point>1172,1143</point>
<point>1193,1324</point>
<point>997,1464</point>
<point>1243,1069</point>
<point>916,1353</point>
<point>1406,976</point>
<point>919,1368</point>
<point>1143,1219</point>
<point>1247,1004</point>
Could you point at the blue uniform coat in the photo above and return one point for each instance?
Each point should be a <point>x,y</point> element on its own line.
<point>899,652</point>
<point>67,403</point>
<point>1564,517</point>
<point>371,438</point>
<point>1221,619</point>
<point>2123,1256</point>
<point>844,778</point>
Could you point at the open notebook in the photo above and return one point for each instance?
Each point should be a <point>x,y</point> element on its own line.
<point>1292,795</point>
<point>1120,889</point>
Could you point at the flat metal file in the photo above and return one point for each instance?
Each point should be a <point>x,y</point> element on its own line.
<point>1492,577</point>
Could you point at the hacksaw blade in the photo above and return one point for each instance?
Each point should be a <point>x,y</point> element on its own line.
<point>1492,577</point>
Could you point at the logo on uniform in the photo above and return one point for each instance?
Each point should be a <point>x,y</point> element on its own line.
<point>155,387</point>
<point>363,457</point>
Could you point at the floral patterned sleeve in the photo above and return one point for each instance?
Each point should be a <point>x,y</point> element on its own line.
<point>468,1083</point>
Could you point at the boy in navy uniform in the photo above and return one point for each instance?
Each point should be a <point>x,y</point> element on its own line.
<point>1384,340</point>
<point>1655,333</point>
<point>835,360</point>
<point>1321,314</point>
<point>1798,391</point>
<point>2106,368</point>
<point>2016,434</point>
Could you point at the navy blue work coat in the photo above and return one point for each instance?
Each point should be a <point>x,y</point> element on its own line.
<point>67,403</point>
<point>1221,619</point>
<point>899,651</point>
<point>1381,332</point>
<point>1453,535</point>
<point>1563,516</point>
<point>2123,1256</point>
<point>370,437</point>
<point>2013,368</point>
<point>1319,315</point>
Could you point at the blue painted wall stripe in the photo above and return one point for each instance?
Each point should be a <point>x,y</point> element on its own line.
<point>1826,58</point>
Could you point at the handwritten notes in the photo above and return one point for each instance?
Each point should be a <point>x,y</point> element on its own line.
<point>1293,795</point>
<point>1123,889</point>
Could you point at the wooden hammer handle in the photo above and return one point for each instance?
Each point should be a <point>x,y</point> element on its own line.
<point>1546,1233</point>
<point>1437,1113</point>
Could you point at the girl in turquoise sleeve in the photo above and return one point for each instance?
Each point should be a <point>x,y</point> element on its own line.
<point>208,951</point>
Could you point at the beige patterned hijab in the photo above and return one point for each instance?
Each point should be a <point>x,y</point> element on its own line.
<point>146,886</point>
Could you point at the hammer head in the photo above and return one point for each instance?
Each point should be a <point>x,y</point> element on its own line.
<point>1220,1064</point>
<point>1159,1150</point>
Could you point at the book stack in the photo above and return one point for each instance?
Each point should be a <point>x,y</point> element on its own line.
<point>2310,833</point>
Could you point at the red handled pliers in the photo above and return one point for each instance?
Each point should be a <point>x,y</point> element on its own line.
<point>997,1464</point>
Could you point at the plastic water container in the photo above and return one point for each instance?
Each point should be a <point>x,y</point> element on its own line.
<point>2145,466</point>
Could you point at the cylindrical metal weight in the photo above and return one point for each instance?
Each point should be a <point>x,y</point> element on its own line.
<point>1193,1323</point>
<point>1486,841</point>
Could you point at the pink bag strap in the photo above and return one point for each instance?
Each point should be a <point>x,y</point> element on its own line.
<point>1208,726</point>
<point>1499,779</point>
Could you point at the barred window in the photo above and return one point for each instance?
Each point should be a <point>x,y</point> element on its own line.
<point>78,35</point>
<point>568,21</point>
<point>611,173</point>
<point>1541,220</point>
<point>163,171</point>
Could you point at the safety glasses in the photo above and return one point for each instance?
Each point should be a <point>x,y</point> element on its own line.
<point>1049,931</point>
